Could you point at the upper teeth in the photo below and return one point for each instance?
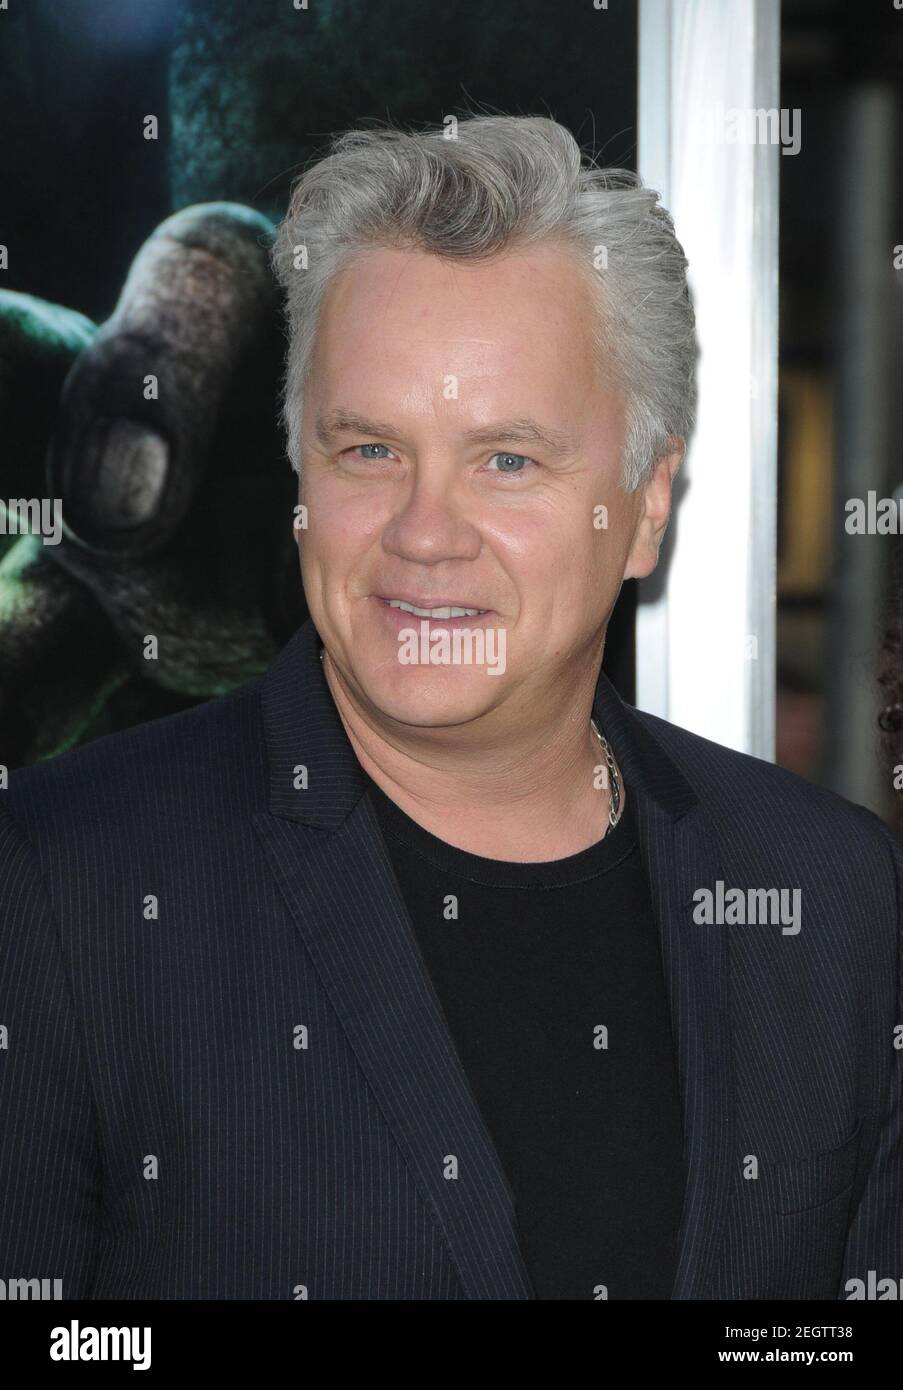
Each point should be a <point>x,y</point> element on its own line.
<point>435,612</point>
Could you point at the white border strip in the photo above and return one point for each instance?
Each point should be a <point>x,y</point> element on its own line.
<point>706,622</point>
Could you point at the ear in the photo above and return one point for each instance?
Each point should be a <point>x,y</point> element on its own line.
<point>654,511</point>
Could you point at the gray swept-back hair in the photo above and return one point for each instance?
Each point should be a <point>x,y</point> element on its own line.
<point>504,182</point>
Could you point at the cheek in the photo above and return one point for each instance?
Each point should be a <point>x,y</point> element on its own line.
<point>527,542</point>
<point>339,529</point>
<point>545,545</point>
<point>611,531</point>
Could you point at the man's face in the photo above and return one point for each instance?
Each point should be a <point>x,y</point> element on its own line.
<point>430,351</point>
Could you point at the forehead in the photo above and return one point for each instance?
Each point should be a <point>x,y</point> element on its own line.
<point>525,317</point>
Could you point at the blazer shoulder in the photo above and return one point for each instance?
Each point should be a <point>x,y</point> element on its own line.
<point>197,751</point>
<point>734,785</point>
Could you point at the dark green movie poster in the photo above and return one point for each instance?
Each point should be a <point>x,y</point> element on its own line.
<point>149,148</point>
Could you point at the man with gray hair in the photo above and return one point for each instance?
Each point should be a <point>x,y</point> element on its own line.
<point>425,1007</point>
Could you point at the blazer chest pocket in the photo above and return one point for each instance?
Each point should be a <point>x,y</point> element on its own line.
<point>812,1181</point>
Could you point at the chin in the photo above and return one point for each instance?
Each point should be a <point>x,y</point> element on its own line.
<point>428,697</point>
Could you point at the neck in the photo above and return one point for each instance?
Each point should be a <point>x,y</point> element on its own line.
<point>533,799</point>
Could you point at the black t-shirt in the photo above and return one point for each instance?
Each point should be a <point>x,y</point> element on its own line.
<point>551,982</point>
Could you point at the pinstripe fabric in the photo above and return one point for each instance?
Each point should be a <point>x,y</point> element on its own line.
<point>174,908</point>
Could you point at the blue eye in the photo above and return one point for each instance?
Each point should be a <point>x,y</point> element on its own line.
<point>518,458</point>
<point>374,457</point>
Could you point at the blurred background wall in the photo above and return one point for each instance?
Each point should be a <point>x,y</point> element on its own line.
<point>841,408</point>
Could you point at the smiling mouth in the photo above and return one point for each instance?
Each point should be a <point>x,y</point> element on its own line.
<point>439,613</point>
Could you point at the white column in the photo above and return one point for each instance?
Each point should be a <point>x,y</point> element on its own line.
<point>706,620</point>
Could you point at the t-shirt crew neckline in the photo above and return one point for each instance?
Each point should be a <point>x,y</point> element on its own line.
<point>612,849</point>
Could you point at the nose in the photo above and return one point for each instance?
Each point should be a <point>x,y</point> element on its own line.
<point>432,522</point>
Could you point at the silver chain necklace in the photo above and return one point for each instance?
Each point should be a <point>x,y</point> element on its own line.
<point>614,800</point>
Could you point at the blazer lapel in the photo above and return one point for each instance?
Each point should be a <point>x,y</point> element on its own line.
<point>325,850</point>
<point>680,849</point>
<point>356,930</point>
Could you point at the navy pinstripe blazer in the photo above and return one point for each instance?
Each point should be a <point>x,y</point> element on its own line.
<point>225,1073</point>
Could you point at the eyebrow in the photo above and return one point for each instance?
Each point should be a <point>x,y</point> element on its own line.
<point>515,431</point>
